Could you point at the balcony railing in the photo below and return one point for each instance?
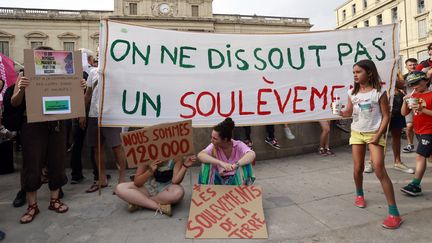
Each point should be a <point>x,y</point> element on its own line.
<point>257,18</point>
<point>55,13</point>
<point>30,12</point>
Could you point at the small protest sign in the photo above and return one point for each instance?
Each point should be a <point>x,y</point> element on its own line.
<point>226,212</point>
<point>53,62</point>
<point>55,91</point>
<point>164,141</point>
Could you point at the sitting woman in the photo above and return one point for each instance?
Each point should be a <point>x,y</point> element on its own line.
<point>226,161</point>
<point>156,186</point>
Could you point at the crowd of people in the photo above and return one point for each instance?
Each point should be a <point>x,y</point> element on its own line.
<point>225,161</point>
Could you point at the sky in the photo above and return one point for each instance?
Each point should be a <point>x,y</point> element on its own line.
<point>320,13</point>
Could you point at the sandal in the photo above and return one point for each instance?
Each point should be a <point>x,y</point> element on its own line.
<point>31,208</point>
<point>58,206</point>
<point>95,187</point>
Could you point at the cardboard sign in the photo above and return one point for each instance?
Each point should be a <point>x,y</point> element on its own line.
<point>226,212</point>
<point>55,91</point>
<point>164,141</point>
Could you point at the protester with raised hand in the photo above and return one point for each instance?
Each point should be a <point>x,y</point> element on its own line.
<point>156,186</point>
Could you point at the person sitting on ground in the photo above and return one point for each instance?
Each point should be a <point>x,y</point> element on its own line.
<point>156,186</point>
<point>226,161</point>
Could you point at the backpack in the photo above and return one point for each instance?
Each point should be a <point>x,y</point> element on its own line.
<point>12,116</point>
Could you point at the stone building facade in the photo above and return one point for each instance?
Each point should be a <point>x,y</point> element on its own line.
<point>69,30</point>
<point>414,17</point>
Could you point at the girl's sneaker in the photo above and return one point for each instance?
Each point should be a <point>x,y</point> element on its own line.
<point>412,190</point>
<point>408,149</point>
<point>402,167</point>
<point>288,133</point>
<point>360,202</point>
<point>392,222</point>
<point>272,142</point>
<point>329,152</point>
<point>368,167</point>
<point>322,152</point>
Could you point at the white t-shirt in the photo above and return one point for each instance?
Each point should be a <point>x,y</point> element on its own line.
<point>367,114</point>
<point>92,81</point>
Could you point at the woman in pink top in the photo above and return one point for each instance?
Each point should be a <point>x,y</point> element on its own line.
<point>226,155</point>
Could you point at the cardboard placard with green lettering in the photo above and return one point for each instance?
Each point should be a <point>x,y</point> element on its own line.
<point>222,212</point>
<point>55,91</point>
<point>160,142</point>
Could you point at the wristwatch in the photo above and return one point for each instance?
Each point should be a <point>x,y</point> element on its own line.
<point>237,164</point>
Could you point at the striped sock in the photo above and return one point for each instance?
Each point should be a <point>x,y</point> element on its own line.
<point>359,192</point>
<point>416,182</point>
<point>393,210</point>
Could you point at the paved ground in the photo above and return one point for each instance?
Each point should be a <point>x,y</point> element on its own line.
<point>307,198</point>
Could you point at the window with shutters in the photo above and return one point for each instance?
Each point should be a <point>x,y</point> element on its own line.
<point>69,46</point>
<point>133,8</point>
<point>195,10</point>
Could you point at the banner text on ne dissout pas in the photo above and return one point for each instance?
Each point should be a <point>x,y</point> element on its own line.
<point>293,59</point>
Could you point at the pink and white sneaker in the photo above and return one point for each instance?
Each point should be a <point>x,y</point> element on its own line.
<point>392,222</point>
<point>360,202</point>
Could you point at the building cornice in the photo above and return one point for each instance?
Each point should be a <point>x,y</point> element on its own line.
<point>343,5</point>
<point>87,15</point>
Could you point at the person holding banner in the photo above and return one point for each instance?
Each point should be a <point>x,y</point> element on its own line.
<point>369,106</point>
<point>109,136</point>
<point>156,186</point>
<point>43,143</point>
<point>226,161</point>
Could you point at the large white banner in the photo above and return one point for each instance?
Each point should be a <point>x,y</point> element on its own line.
<point>152,76</point>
